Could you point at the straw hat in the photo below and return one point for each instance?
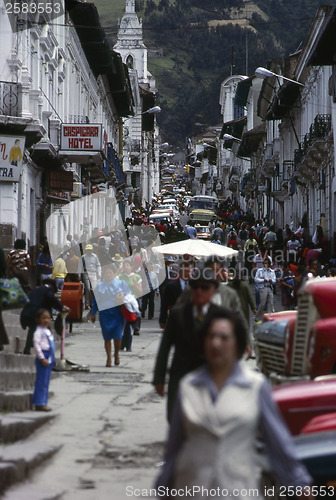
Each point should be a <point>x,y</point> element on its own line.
<point>117,258</point>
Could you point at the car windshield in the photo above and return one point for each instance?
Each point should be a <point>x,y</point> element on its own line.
<point>203,205</point>
<point>203,230</point>
<point>166,207</point>
<point>158,220</point>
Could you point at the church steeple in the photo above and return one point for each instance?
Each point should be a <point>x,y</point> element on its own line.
<point>130,7</point>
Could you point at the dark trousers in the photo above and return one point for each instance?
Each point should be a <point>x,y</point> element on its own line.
<point>3,334</point>
<point>29,339</point>
<point>127,336</point>
<point>43,374</point>
<point>148,299</point>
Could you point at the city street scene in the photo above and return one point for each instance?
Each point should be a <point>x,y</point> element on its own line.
<point>167,249</point>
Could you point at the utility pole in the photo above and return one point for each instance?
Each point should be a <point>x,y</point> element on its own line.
<point>232,60</point>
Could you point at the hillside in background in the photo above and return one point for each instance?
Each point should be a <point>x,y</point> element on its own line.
<point>193,44</point>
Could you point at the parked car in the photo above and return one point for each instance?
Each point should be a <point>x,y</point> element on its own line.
<point>160,218</point>
<point>309,340</point>
<point>318,453</point>
<point>203,232</point>
<point>322,423</point>
<point>300,402</point>
<point>168,209</point>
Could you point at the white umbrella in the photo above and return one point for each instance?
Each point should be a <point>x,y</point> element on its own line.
<point>196,248</point>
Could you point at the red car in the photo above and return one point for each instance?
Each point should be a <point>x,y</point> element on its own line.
<point>321,423</point>
<point>300,402</point>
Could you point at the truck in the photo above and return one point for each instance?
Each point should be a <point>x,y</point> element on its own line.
<point>203,209</point>
<point>299,345</point>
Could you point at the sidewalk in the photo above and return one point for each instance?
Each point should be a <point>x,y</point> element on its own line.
<point>110,423</point>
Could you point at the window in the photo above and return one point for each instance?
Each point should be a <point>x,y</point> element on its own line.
<point>238,112</point>
<point>130,62</point>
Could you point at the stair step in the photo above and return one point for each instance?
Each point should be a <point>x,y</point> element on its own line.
<point>17,426</point>
<point>15,401</point>
<point>11,380</point>
<point>24,456</point>
<point>27,491</point>
<point>17,362</point>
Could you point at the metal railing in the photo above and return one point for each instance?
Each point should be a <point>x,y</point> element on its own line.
<point>78,119</point>
<point>10,99</point>
<point>318,130</point>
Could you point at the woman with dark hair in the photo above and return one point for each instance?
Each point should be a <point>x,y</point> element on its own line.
<point>44,263</point>
<point>220,410</point>
<point>107,301</point>
<point>19,263</point>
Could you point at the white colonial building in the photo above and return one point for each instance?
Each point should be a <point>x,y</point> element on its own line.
<point>63,103</point>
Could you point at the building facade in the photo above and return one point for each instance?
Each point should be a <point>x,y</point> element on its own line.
<point>63,105</point>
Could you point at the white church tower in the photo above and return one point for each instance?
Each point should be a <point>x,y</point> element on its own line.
<point>131,46</point>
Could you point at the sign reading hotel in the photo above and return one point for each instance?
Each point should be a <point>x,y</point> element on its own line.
<point>81,137</point>
<point>11,156</point>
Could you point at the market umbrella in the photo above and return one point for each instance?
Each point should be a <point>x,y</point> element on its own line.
<point>196,248</point>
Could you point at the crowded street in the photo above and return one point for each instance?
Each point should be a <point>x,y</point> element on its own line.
<point>110,424</point>
<point>167,249</point>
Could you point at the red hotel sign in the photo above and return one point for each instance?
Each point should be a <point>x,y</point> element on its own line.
<point>60,180</point>
<point>81,137</point>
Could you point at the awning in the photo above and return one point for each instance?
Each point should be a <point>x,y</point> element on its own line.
<point>148,102</point>
<point>323,49</point>
<point>282,101</point>
<point>242,91</point>
<point>234,128</point>
<point>251,140</point>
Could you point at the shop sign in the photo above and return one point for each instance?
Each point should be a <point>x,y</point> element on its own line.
<point>59,207</point>
<point>60,180</point>
<point>82,137</point>
<point>60,196</point>
<point>77,190</point>
<point>11,157</point>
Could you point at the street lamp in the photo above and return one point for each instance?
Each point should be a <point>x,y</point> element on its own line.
<point>152,111</point>
<point>229,137</point>
<point>266,73</point>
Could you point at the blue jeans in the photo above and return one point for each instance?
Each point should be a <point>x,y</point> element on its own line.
<point>43,374</point>
<point>59,282</point>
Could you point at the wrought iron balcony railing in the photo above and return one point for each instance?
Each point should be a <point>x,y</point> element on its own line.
<point>318,130</point>
<point>10,99</point>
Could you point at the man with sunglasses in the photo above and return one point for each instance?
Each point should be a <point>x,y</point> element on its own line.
<point>182,330</point>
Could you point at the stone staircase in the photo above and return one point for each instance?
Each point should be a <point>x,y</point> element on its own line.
<point>19,454</point>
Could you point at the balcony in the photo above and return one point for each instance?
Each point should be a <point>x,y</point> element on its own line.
<point>271,157</point>
<point>135,147</point>
<point>10,99</point>
<point>78,119</point>
<point>314,146</point>
<point>282,181</point>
